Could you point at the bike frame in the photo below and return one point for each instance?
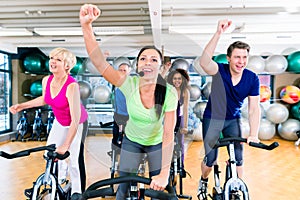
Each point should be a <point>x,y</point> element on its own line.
<point>233,183</point>
<point>49,179</point>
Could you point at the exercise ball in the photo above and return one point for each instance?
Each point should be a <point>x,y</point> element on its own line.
<point>288,51</point>
<point>294,62</point>
<point>78,66</point>
<point>295,111</point>
<point>290,94</point>
<point>85,89</point>
<point>287,130</point>
<point>33,63</point>
<point>197,134</point>
<point>221,58</point>
<point>265,93</point>
<point>206,90</point>
<point>277,113</point>
<point>199,108</point>
<point>195,92</point>
<point>102,94</point>
<point>133,65</point>
<point>197,67</point>
<point>266,130</point>
<point>256,64</point>
<point>245,128</point>
<point>120,60</point>
<point>36,88</point>
<point>46,64</point>
<point>276,64</point>
<point>90,67</point>
<point>180,63</point>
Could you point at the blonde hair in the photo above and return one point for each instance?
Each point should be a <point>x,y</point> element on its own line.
<point>68,57</point>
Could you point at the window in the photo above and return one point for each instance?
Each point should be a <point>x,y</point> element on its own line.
<point>5,93</point>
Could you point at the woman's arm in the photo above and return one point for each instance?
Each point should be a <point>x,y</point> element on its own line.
<point>88,14</point>
<point>73,96</point>
<point>186,102</point>
<point>160,181</point>
<point>39,101</point>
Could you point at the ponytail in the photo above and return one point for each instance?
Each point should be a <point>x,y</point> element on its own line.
<point>160,94</point>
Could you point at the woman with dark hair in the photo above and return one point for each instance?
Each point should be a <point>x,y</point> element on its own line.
<point>151,106</point>
<point>179,78</point>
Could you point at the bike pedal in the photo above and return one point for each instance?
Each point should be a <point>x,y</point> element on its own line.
<point>28,192</point>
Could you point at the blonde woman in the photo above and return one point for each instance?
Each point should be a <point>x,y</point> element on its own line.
<point>61,92</point>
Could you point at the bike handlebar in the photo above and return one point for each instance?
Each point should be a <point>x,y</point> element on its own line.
<point>50,148</point>
<point>226,141</point>
<point>93,192</point>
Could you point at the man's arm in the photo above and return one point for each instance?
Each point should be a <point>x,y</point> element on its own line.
<point>254,118</point>
<point>206,61</point>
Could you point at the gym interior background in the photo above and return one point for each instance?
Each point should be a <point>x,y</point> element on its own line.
<point>29,30</point>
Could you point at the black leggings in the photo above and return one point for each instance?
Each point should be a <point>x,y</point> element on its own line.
<point>81,157</point>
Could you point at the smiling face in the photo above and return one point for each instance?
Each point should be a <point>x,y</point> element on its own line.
<point>238,61</point>
<point>61,60</point>
<point>177,80</point>
<point>149,62</point>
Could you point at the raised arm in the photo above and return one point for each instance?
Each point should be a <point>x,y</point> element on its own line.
<point>206,61</point>
<point>88,14</point>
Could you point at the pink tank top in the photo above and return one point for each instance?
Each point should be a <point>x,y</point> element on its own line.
<point>60,105</point>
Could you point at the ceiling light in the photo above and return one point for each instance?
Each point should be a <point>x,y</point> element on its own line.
<point>58,31</point>
<point>125,30</point>
<point>191,30</point>
<point>15,32</point>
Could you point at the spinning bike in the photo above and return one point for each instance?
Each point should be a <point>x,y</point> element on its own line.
<point>234,188</point>
<point>115,156</point>
<point>49,123</point>
<point>38,126</point>
<point>22,127</point>
<point>46,185</point>
<point>97,189</point>
<point>177,171</point>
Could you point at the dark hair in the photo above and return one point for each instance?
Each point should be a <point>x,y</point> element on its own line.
<point>183,73</point>
<point>237,45</point>
<point>161,84</point>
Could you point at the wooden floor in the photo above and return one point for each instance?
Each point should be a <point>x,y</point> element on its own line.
<point>270,175</point>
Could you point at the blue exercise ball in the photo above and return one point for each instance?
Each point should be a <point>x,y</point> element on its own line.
<point>33,63</point>
<point>36,88</point>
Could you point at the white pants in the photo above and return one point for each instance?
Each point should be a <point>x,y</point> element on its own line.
<point>57,136</point>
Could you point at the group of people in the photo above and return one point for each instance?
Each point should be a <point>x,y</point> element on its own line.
<point>156,106</point>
